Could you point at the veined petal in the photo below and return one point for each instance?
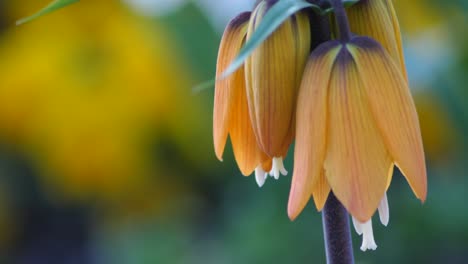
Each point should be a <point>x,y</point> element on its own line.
<point>311,124</point>
<point>244,143</point>
<point>231,43</point>
<point>272,75</point>
<point>303,43</point>
<point>321,191</point>
<point>357,161</point>
<point>377,19</point>
<point>393,110</point>
<point>396,28</point>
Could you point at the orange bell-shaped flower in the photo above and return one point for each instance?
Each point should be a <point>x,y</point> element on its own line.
<point>355,120</point>
<point>256,104</point>
<point>231,113</point>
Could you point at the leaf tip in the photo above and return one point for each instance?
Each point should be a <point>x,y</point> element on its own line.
<point>203,86</point>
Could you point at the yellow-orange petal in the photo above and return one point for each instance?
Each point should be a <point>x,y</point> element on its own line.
<point>357,160</point>
<point>267,164</point>
<point>396,28</point>
<point>273,76</point>
<point>322,188</point>
<point>393,110</point>
<point>231,43</point>
<point>311,124</point>
<point>378,20</point>
<point>321,191</point>
<point>303,40</point>
<point>246,150</point>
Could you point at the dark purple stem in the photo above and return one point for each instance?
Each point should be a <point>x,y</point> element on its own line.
<point>338,244</point>
<point>341,20</point>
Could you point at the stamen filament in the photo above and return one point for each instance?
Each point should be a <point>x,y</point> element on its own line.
<point>277,168</point>
<point>384,211</point>
<point>260,175</point>
<point>365,229</point>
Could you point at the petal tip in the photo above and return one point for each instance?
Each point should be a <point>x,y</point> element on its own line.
<point>219,155</point>
<point>295,206</point>
<point>423,198</point>
<point>292,213</point>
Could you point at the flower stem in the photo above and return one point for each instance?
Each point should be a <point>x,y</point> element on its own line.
<point>338,244</point>
<point>341,20</point>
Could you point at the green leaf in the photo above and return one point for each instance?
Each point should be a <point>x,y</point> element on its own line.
<point>203,86</point>
<point>278,13</point>
<point>57,4</point>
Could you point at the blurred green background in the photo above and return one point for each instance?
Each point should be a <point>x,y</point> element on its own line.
<point>106,155</point>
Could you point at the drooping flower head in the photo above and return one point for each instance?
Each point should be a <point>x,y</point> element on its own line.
<point>256,105</point>
<point>349,108</point>
<point>231,114</point>
<point>355,121</point>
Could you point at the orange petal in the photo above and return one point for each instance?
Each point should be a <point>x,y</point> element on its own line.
<point>390,175</point>
<point>396,28</point>
<point>377,19</point>
<point>357,160</point>
<point>267,164</point>
<point>273,78</point>
<point>231,43</point>
<point>246,150</point>
<point>321,191</point>
<point>311,122</point>
<point>393,110</point>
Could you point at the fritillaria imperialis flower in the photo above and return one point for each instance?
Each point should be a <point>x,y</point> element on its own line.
<point>256,105</point>
<point>356,120</point>
<point>231,113</point>
<point>353,116</point>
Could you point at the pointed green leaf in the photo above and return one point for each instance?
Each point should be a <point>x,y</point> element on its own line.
<point>57,4</point>
<point>278,13</point>
<point>203,86</point>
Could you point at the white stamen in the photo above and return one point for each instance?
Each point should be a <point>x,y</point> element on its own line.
<point>384,212</point>
<point>277,168</point>
<point>368,241</point>
<point>260,175</point>
<point>357,226</point>
<point>365,229</point>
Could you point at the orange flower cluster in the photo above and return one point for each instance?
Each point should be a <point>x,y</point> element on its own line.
<point>346,102</point>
